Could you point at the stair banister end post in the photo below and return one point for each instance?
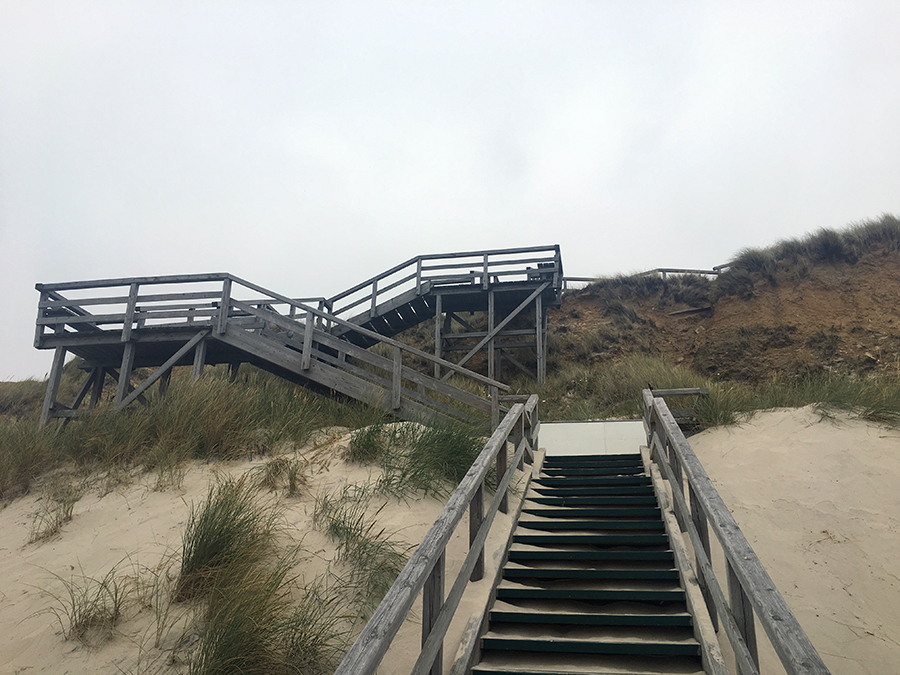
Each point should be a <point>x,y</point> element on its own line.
<point>224,306</point>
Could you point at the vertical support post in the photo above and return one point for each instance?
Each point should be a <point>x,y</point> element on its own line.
<point>374,299</point>
<point>518,435</point>
<point>438,310</point>
<point>743,614</point>
<point>306,355</point>
<point>199,360</point>
<point>495,407</point>
<point>59,358</point>
<point>485,280</point>
<point>432,601</point>
<point>39,327</point>
<point>698,517</point>
<point>476,517</point>
<point>233,370</point>
<point>129,313</point>
<point>97,389</point>
<point>164,382</point>
<point>491,317</point>
<point>122,390</point>
<point>419,276</point>
<point>396,378</point>
<point>502,461</point>
<point>225,306</point>
<point>539,340</point>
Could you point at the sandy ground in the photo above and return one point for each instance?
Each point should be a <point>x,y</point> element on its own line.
<point>128,524</point>
<point>819,501</point>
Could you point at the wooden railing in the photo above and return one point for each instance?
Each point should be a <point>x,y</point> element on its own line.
<point>752,595</point>
<point>422,273</point>
<point>425,570</point>
<point>217,302</point>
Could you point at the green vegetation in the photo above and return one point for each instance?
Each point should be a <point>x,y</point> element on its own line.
<point>91,608</point>
<point>430,458</point>
<point>210,418</point>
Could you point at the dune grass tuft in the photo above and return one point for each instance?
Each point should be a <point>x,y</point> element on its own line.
<point>230,525</point>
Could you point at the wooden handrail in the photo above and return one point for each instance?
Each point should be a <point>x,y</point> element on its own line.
<point>752,593</point>
<point>373,642</point>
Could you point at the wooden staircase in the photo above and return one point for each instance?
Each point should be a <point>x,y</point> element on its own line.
<point>590,585</point>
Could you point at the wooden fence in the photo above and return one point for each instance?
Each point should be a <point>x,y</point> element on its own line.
<point>224,307</point>
<point>476,268</point>
<point>752,595</point>
<point>425,570</point>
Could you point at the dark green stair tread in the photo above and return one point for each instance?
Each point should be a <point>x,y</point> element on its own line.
<point>541,523</point>
<point>636,512</point>
<point>592,491</point>
<point>592,538</point>
<point>588,471</point>
<point>598,457</point>
<point>579,614</point>
<point>521,551</point>
<point>513,571</point>
<point>596,594</point>
<point>592,646</point>
<point>592,500</point>
<point>600,481</point>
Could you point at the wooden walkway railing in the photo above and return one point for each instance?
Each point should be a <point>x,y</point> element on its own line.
<point>224,307</point>
<point>476,268</point>
<point>752,595</point>
<point>425,570</point>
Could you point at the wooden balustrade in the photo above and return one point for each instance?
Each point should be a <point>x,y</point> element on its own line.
<point>752,593</point>
<point>425,570</point>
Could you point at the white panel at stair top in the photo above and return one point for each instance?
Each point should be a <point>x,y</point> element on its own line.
<point>592,438</point>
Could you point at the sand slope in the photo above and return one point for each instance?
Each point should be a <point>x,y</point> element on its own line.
<point>138,529</point>
<point>819,501</point>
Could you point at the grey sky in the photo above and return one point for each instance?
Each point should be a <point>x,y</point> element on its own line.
<point>308,145</point>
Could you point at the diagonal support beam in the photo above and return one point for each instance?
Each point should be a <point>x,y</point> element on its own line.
<point>500,326</point>
<point>162,370</point>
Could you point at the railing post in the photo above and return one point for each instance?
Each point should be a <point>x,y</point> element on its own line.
<point>495,407</point>
<point>396,378</point>
<point>374,298</point>
<point>419,276</point>
<point>502,459</point>
<point>129,313</point>
<point>306,355</point>
<point>698,517</point>
<point>485,281</point>
<point>224,306</point>
<point>517,436</point>
<point>476,517</point>
<point>432,601</point>
<point>742,612</point>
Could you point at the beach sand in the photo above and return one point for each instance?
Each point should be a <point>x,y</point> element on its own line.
<point>127,524</point>
<point>819,501</point>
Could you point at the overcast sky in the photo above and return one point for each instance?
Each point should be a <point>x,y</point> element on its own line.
<point>309,145</point>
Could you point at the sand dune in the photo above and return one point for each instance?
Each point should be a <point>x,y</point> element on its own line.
<point>819,501</point>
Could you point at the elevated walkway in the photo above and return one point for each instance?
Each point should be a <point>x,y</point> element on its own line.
<point>117,325</point>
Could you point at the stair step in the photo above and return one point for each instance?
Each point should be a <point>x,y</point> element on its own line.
<point>594,470</point>
<point>586,614</point>
<point>593,539</point>
<point>539,523</point>
<point>593,574</point>
<point>592,480</point>
<point>551,491</point>
<point>512,592</point>
<point>524,553</point>
<point>581,512</point>
<point>635,647</point>
<point>592,500</point>
<point>530,663</point>
<point>555,460</point>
